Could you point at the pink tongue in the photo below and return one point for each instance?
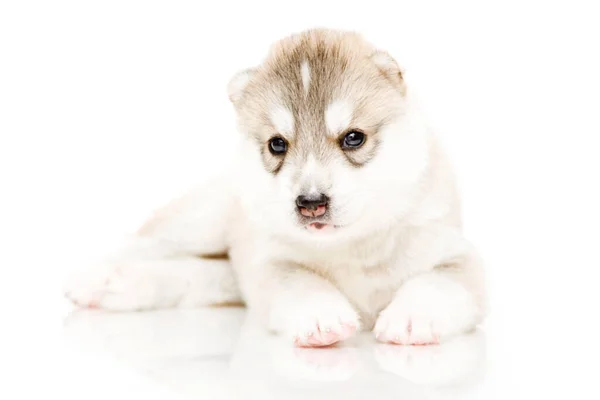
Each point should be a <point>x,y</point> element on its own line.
<point>317,225</point>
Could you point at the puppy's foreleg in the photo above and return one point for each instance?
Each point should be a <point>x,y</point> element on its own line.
<point>298,303</point>
<point>442,300</point>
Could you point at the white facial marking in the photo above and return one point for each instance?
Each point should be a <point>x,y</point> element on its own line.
<point>283,119</point>
<point>310,167</point>
<point>338,116</point>
<point>311,175</point>
<point>305,72</point>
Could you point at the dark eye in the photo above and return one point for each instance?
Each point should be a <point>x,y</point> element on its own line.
<point>277,146</point>
<point>353,140</point>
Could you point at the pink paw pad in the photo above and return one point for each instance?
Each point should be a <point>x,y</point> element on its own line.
<point>324,337</point>
<point>90,305</point>
<point>93,305</point>
<point>434,342</point>
<point>405,338</point>
<point>407,342</point>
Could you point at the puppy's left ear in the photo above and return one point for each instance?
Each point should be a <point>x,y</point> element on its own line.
<point>237,85</point>
<point>389,67</point>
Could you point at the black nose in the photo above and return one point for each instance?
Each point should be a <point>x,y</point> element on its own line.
<point>312,202</point>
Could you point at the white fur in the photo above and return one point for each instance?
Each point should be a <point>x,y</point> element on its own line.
<point>310,172</point>
<point>397,255</point>
<point>427,309</point>
<point>144,284</point>
<point>338,115</point>
<point>325,309</point>
<point>305,72</point>
<point>282,119</point>
<point>160,267</point>
<point>237,84</point>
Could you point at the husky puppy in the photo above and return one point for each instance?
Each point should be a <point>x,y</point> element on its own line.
<point>340,214</point>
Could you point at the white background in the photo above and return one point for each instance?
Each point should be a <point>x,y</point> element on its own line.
<point>110,108</point>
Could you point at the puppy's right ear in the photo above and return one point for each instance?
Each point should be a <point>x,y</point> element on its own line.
<point>389,67</point>
<point>237,85</point>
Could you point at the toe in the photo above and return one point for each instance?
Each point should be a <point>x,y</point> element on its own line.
<point>421,332</point>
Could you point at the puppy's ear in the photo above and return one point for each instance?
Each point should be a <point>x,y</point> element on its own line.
<point>237,85</point>
<point>389,67</point>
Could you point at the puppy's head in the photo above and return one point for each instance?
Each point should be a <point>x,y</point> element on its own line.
<point>325,119</point>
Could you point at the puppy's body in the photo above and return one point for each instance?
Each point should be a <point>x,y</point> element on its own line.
<point>341,212</point>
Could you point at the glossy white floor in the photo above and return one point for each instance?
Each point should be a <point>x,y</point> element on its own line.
<point>109,109</point>
<point>221,354</point>
<point>524,351</point>
<point>218,353</point>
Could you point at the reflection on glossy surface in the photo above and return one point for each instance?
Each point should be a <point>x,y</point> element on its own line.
<point>223,353</point>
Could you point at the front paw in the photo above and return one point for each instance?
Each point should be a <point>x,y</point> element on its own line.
<point>425,310</point>
<point>318,320</point>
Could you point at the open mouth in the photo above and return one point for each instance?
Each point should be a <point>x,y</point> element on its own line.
<point>320,227</point>
<point>317,225</point>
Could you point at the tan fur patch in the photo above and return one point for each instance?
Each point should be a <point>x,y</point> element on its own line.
<point>343,67</point>
<point>216,256</point>
<point>236,304</point>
